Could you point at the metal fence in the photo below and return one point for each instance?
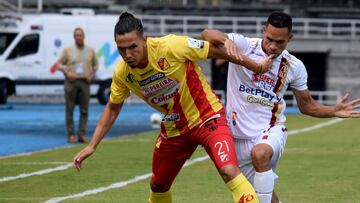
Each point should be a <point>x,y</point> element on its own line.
<point>307,28</point>
<point>323,97</point>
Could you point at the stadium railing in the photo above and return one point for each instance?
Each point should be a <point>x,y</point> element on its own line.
<point>308,28</point>
<point>323,97</point>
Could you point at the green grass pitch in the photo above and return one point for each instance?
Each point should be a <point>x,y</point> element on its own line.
<point>319,166</point>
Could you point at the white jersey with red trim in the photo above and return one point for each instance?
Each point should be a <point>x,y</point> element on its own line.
<point>255,102</point>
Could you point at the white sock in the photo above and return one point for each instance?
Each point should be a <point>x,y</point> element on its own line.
<point>264,185</point>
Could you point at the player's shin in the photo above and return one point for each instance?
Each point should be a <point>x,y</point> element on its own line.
<point>264,185</point>
<point>241,190</point>
<point>160,197</point>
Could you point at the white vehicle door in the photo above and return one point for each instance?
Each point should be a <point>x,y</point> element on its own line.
<point>25,62</point>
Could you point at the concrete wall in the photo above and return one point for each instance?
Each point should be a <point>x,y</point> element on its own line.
<point>343,63</point>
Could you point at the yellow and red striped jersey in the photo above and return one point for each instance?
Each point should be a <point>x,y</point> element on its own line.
<point>172,83</point>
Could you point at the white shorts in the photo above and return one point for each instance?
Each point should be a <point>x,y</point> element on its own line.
<point>275,137</point>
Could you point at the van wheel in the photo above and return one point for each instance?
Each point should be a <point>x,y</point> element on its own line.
<point>3,92</point>
<point>104,92</point>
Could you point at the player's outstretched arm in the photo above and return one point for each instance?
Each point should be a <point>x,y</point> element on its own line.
<point>222,47</point>
<point>106,121</point>
<point>342,109</point>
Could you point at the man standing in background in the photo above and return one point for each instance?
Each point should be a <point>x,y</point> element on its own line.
<point>79,64</point>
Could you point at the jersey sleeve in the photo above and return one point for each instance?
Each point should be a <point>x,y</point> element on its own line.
<point>300,80</point>
<point>119,91</point>
<point>241,42</point>
<point>185,48</point>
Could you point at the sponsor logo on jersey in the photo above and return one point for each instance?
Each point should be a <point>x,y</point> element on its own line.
<point>262,77</point>
<point>246,198</point>
<point>151,79</point>
<point>257,92</point>
<point>263,81</point>
<point>262,101</point>
<point>164,98</point>
<point>172,117</point>
<point>130,78</point>
<point>195,43</point>
<point>166,83</point>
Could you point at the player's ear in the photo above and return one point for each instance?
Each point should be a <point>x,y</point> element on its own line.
<point>263,28</point>
<point>290,36</point>
<point>145,40</point>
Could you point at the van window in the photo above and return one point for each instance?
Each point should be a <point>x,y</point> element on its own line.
<point>29,44</point>
<point>5,40</point>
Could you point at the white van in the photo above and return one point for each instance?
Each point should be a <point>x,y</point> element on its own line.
<point>31,44</point>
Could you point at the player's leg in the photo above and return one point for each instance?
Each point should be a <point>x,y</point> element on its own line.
<point>168,158</point>
<point>274,198</point>
<point>215,137</point>
<point>265,156</point>
<point>84,99</point>
<point>70,98</point>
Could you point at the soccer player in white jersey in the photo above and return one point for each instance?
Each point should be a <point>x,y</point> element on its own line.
<point>255,104</point>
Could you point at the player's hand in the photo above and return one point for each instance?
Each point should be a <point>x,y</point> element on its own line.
<point>266,64</point>
<point>345,109</point>
<point>232,50</point>
<point>81,156</point>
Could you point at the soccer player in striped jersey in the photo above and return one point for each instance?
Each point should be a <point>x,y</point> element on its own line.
<point>162,71</point>
<point>255,104</point>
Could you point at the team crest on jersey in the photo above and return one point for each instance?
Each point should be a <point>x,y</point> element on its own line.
<point>163,63</point>
<point>284,65</point>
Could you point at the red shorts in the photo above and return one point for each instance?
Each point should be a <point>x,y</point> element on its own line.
<point>170,154</point>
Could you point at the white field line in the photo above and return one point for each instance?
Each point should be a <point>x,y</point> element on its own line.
<point>36,163</point>
<point>315,127</point>
<point>41,172</point>
<point>118,184</point>
<point>188,163</point>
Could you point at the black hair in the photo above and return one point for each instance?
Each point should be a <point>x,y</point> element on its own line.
<point>280,19</point>
<point>128,23</point>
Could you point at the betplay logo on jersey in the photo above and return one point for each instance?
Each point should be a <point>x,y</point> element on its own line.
<point>195,43</point>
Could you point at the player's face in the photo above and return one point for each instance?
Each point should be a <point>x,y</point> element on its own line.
<point>79,38</point>
<point>275,39</point>
<point>132,48</point>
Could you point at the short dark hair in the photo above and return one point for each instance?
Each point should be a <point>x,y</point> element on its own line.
<point>128,23</point>
<point>280,19</point>
<point>79,29</point>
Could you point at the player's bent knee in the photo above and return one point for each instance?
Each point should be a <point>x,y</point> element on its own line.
<point>261,157</point>
<point>229,172</point>
<point>159,188</point>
